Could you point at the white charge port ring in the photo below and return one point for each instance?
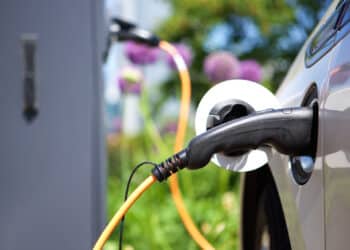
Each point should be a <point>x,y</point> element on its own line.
<point>257,97</point>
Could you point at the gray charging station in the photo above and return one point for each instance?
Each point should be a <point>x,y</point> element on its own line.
<point>52,157</point>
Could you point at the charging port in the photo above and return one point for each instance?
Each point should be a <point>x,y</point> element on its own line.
<point>227,111</point>
<point>303,166</point>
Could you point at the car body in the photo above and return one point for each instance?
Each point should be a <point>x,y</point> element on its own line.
<point>314,212</point>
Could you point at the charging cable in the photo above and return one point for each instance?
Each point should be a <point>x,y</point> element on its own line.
<point>137,167</point>
<point>179,142</point>
<point>121,30</point>
<point>290,131</point>
<point>122,211</point>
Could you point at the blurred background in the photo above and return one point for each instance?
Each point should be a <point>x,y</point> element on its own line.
<point>219,40</point>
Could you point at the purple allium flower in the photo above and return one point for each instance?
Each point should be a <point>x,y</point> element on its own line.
<point>251,70</point>
<point>221,66</point>
<point>141,54</point>
<point>186,53</point>
<point>130,80</point>
<point>170,128</point>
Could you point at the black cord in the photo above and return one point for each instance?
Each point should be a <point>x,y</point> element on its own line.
<point>126,197</point>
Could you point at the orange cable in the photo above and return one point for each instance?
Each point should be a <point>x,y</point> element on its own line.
<point>179,143</point>
<point>122,211</point>
<point>174,186</point>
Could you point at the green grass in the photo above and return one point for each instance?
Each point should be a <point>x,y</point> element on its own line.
<point>210,194</point>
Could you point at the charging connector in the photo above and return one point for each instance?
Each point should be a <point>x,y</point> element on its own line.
<point>288,130</point>
<point>121,30</point>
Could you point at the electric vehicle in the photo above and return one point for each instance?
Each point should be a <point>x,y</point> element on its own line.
<point>304,202</point>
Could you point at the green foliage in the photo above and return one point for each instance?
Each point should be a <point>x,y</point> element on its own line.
<point>211,195</point>
<point>280,26</point>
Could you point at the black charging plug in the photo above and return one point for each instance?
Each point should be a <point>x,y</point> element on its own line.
<point>121,30</point>
<point>288,130</point>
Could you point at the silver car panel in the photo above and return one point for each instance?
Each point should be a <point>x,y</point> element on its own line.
<point>317,213</point>
<point>336,160</point>
<point>304,205</point>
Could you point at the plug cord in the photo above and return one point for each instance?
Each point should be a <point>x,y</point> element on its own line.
<point>122,222</point>
<point>170,166</point>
